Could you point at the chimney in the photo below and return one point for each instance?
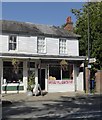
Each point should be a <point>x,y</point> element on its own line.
<point>69,24</point>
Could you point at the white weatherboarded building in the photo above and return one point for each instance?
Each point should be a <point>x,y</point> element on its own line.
<point>40,50</point>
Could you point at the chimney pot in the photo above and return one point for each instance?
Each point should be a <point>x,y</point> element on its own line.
<point>69,24</point>
<point>69,19</point>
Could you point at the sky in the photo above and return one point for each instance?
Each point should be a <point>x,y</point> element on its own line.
<point>50,13</point>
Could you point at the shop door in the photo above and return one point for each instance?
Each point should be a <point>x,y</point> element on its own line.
<point>41,78</point>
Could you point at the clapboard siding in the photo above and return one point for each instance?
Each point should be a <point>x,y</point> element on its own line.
<point>52,46</point>
<point>0,43</point>
<point>27,44</point>
<point>73,47</point>
<point>4,43</point>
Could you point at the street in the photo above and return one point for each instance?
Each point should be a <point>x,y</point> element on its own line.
<point>83,107</point>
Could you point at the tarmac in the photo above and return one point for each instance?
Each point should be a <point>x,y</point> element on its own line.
<point>15,97</point>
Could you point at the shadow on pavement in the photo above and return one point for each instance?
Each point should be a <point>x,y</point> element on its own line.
<point>5,103</point>
<point>67,108</point>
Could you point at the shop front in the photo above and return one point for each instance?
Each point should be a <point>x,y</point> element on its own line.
<point>60,79</point>
<point>13,79</point>
<point>63,77</point>
<point>51,75</point>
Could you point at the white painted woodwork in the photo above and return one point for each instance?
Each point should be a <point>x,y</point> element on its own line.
<point>80,82</point>
<point>25,75</point>
<point>61,87</point>
<point>52,46</point>
<point>73,47</point>
<point>28,45</point>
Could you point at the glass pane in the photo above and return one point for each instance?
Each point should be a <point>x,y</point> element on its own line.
<point>10,75</point>
<point>55,73</point>
<point>32,64</point>
<point>10,46</point>
<point>10,38</point>
<point>14,46</point>
<point>14,38</point>
<point>41,44</point>
<point>67,73</point>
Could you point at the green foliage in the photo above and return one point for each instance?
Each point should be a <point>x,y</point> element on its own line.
<point>15,64</point>
<point>95,20</point>
<point>31,81</point>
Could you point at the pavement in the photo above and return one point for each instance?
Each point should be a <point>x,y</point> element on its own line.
<point>45,97</point>
<point>52,106</point>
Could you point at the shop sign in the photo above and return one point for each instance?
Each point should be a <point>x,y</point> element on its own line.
<point>60,81</point>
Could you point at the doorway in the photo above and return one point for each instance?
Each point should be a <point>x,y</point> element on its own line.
<point>41,78</point>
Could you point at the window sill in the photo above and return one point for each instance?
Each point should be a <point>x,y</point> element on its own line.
<point>12,84</point>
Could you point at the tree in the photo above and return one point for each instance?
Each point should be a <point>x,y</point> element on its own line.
<point>81,28</point>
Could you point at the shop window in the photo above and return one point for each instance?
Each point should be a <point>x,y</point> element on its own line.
<point>58,73</point>
<point>32,64</point>
<point>68,73</point>
<point>54,73</point>
<point>10,75</point>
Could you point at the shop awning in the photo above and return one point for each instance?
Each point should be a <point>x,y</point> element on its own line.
<point>41,57</point>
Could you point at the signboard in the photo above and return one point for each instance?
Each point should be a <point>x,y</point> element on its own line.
<point>89,66</point>
<point>92,60</point>
<point>60,81</point>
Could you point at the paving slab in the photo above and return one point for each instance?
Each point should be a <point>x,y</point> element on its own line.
<point>48,96</point>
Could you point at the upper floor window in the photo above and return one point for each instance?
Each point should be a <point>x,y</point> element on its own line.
<point>62,46</point>
<point>41,45</point>
<point>12,42</point>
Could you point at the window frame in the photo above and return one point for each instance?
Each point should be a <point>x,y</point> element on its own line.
<point>65,51</point>
<point>12,42</point>
<point>44,51</point>
<point>8,68</point>
<point>52,76</point>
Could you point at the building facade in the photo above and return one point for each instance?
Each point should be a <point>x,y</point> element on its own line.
<point>48,53</point>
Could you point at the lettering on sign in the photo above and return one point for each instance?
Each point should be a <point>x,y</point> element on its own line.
<point>60,81</point>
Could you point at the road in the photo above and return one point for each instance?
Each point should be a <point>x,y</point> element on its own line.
<point>66,108</point>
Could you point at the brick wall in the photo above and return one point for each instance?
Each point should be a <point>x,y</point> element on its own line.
<point>69,27</point>
<point>69,24</point>
<point>98,80</point>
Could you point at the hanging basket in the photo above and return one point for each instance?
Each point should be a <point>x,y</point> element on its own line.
<point>64,65</point>
<point>15,64</point>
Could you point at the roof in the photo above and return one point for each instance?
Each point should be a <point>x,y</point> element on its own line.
<point>26,28</point>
